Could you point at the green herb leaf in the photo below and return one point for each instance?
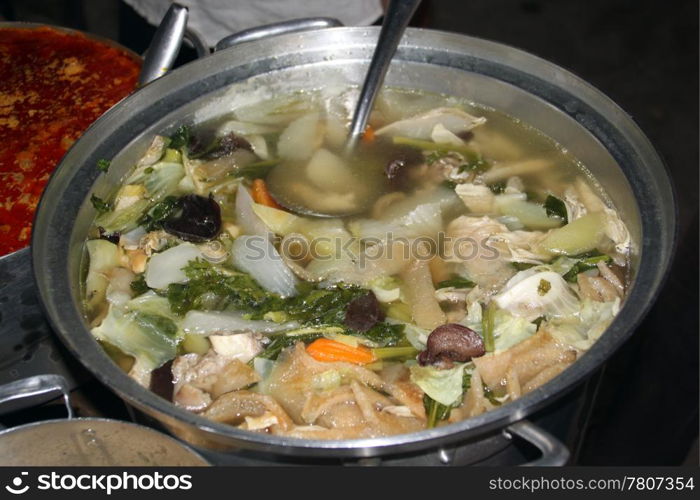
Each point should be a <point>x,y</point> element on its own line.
<point>544,287</point>
<point>498,187</point>
<point>210,289</point>
<point>434,411</point>
<point>156,324</point>
<point>103,165</point>
<point>281,342</point>
<point>385,334</point>
<point>556,208</point>
<point>257,170</point>
<point>100,205</point>
<point>522,266</point>
<point>456,282</point>
<point>181,138</point>
<point>156,216</point>
<point>139,286</point>
<point>586,264</point>
<point>488,394</point>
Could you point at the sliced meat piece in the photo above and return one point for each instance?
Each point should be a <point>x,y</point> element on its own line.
<point>233,407</point>
<point>525,360</point>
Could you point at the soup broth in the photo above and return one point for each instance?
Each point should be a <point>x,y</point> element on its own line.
<point>481,261</point>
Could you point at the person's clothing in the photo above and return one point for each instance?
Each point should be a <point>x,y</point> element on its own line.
<point>216,19</point>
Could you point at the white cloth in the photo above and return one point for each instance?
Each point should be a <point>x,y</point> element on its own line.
<point>215,19</point>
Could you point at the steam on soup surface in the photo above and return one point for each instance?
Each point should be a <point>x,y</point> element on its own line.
<point>482,264</point>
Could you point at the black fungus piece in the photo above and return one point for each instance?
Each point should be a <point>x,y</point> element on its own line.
<point>162,381</point>
<point>449,343</point>
<point>199,219</point>
<point>111,237</point>
<point>363,313</point>
<point>227,145</point>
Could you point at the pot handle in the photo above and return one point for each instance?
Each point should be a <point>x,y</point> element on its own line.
<point>268,30</point>
<point>33,386</point>
<point>554,452</point>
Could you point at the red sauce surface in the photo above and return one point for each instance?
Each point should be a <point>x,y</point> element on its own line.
<point>52,86</point>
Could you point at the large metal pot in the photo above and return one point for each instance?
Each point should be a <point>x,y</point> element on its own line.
<point>576,115</point>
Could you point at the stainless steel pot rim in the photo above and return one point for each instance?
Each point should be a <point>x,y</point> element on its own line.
<point>624,139</point>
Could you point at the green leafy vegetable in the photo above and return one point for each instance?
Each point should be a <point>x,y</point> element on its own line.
<point>478,165</point>
<point>101,206</point>
<point>435,156</point>
<point>436,412</point>
<point>522,266</point>
<point>586,263</point>
<point>497,187</point>
<point>385,334</point>
<point>209,288</point>
<point>281,342</point>
<point>161,211</point>
<point>256,170</point>
<point>139,331</point>
<point>139,286</point>
<point>488,326</point>
<point>456,282</point>
<point>489,394</point>
<point>103,165</point>
<point>556,208</point>
<point>396,353</point>
<point>181,138</point>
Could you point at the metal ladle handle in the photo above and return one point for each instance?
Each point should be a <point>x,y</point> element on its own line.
<point>396,19</point>
<point>165,46</point>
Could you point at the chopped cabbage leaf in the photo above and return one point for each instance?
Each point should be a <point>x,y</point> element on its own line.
<point>444,386</point>
<point>152,339</point>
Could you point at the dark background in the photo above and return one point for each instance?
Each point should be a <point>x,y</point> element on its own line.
<point>644,55</point>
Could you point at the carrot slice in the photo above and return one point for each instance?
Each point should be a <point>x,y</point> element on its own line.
<point>331,350</point>
<point>262,196</point>
<point>368,135</point>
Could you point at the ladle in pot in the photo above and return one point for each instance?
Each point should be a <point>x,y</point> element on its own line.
<point>396,18</point>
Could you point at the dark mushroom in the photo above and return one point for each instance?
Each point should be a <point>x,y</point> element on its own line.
<point>363,313</point>
<point>199,219</point>
<point>449,343</point>
<point>394,167</point>
<point>227,145</point>
<point>162,381</point>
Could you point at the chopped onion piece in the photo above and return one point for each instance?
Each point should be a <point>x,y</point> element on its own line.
<point>258,257</point>
<point>221,323</point>
<point>166,267</point>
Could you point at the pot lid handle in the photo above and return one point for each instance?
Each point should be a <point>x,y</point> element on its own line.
<point>269,30</point>
<point>33,386</point>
